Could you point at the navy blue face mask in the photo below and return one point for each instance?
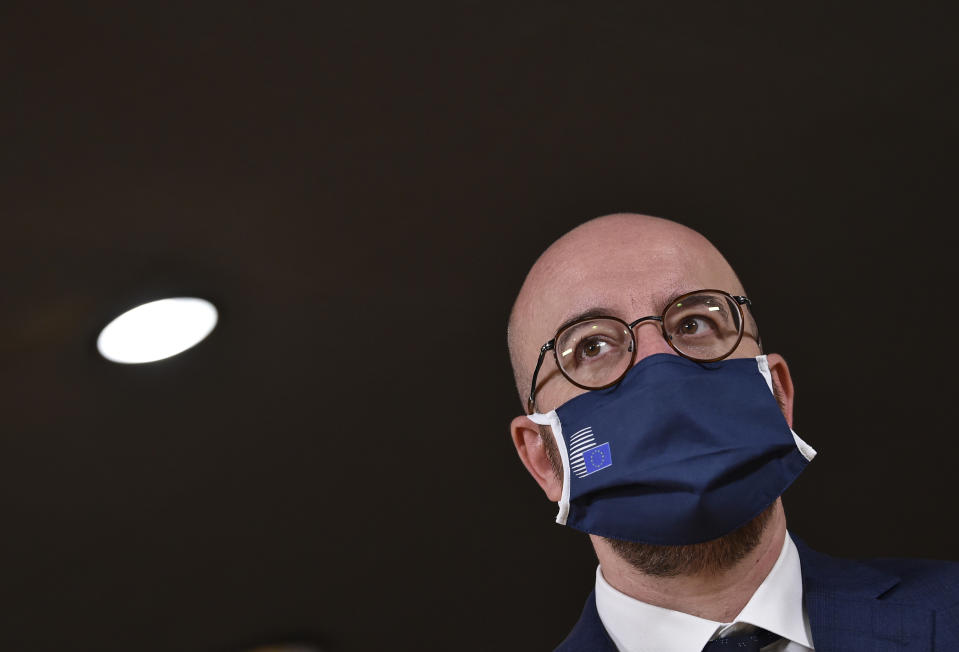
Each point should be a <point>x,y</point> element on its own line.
<point>679,452</point>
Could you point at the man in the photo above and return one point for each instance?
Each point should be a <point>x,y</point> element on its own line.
<point>658,426</point>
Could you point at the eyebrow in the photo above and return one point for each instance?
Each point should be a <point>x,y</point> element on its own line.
<point>662,299</point>
<point>666,299</point>
<point>589,313</point>
<point>699,300</point>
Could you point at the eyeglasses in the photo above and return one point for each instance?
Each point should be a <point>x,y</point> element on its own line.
<point>596,352</point>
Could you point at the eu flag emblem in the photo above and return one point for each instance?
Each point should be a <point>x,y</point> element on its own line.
<point>597,458</point>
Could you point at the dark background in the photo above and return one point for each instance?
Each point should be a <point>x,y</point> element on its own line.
<point>360,189</point>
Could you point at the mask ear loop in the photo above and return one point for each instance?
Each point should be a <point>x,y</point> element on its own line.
<point>551,419</point>
<point>807,451</point>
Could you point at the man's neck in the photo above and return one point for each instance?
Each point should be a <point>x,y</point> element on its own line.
<point>718,596</point>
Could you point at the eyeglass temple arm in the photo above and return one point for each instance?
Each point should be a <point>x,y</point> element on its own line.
<point>744,301</point>
<point>539,363</point>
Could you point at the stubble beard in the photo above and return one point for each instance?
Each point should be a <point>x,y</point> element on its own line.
<point>695,559</point>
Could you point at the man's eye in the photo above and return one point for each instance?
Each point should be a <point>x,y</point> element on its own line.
<point>695,326</point>
<point>592,348</point>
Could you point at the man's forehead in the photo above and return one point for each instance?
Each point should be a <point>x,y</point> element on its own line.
<point>618,266</point>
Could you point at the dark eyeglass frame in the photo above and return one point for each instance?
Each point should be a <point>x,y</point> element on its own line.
<point>738,300</point>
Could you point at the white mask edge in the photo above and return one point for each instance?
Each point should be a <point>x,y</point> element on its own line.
<point>551,419</point>
<point>805,449</point>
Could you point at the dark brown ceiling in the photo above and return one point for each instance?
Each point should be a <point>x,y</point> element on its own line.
<point>360,189</point>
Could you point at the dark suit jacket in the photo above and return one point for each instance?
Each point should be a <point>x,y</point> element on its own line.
<point>879,605</point>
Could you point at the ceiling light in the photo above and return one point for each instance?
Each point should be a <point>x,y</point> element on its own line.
<point>157,330</point>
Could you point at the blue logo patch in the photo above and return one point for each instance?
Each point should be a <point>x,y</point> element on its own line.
<point>585,456</point>
<point>597,458</point>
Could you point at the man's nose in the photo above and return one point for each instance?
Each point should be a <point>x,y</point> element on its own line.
<point>649,340</point>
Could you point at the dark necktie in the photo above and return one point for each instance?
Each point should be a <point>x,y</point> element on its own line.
<point>752,642</point>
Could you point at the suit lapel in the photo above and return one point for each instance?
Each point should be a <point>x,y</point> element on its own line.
<point>846,612</point>
<point>589,633</point>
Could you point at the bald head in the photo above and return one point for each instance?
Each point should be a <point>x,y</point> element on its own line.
<point>624,265</point>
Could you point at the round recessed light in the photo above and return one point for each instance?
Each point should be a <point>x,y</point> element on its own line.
<point>157,330</point>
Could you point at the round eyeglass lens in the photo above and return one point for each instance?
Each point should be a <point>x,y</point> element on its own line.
<point>596,352</point>
<point>704,326</point>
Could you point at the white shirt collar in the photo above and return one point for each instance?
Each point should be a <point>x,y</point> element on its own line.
<point>776,605</point>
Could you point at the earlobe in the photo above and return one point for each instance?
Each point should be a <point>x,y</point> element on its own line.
<point>782,385</point>
<point>532,452</point>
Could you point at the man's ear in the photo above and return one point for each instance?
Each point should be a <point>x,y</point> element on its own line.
<point>782,385</point>
<point>532,451</point>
